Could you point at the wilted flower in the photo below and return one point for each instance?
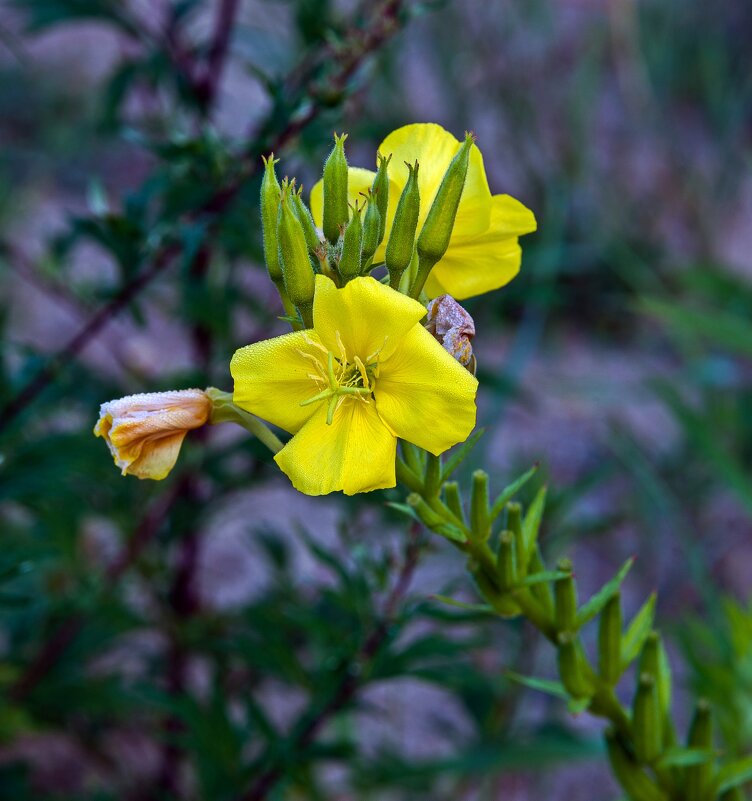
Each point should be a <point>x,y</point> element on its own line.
<point>144,432</point>
<point>367,373</point>
<point>484,252</point>
<point>453,327</point>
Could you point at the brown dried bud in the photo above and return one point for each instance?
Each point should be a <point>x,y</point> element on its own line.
<point>453,327</point>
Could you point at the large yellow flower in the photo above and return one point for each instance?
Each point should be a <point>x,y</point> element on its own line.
<point>367,373</point>
<point>484,251</point>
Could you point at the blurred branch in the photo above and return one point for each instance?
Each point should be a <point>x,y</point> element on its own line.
<point>384,21</point>
<point>144,532</point>
<point>206,86</point>
<point>309,725</point>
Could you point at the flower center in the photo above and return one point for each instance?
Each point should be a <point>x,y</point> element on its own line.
<point>340,379</point>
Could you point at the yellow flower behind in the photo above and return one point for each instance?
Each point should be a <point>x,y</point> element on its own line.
<point>367,373</point>
<point>484,251</point>
<point>144,432</point>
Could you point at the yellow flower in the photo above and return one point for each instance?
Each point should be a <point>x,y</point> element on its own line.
<point>144,432</point>
<point>367,373</point>
<point>484,252</point>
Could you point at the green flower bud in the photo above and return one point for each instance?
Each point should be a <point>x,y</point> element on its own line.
<point>646,720</point>
<point>399,248</point>
<point>506,561</point>
<point>565,591</point>
<point>270,194</point>
<point>609,640</point>
<point>504,605</point>
<point>636,783</point>
<point>514,524</point>
<point>380,190</point>
<point>304,216</point>
<point>541,592</point>
<point>649,655</point>
<point>352,247</point>
<point>293,256</point>
<point>336,213</point>
<point>698,777</point>
<point>427,516</point>
<point>480,519</point>
<point>574,671</point>
<point>437,229</point>
<point>372,226</point>
<point>453,500</point>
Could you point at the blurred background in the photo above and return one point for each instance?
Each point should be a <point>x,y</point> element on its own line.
<point>217,636</point>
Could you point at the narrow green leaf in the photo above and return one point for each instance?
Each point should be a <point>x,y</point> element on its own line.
<point>735,774</point>
<point>542,578</point>
<point>532,521</point>
<point>679,757</point>
<point>506,495</point>
<point>542,685</point>
<point>459,456</point>
<point>445,599</point>
<point>639,628</point>
<point>590,609</point>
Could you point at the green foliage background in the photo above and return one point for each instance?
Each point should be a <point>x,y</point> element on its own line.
<point>620,358</point>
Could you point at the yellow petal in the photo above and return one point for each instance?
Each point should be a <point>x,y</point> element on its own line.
<point>424,395</point>
<point>366,315</point>
<point>434,148</point>
<point>356,453</point>
<point>272,377</point>
<point>156,457</point>
<point>474,265</point>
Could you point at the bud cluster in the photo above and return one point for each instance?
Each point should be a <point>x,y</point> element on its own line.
<point>353,229</point>
<point>505,560</point>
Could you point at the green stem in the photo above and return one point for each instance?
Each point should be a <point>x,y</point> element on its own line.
<point>225,411</point>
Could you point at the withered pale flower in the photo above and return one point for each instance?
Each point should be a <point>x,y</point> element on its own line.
<point>144,432</point>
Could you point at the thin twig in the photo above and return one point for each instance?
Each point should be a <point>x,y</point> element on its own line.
<point>346,59</point>
<point>59,641</point>
<point>208,83</point>
<point>352,679</point>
